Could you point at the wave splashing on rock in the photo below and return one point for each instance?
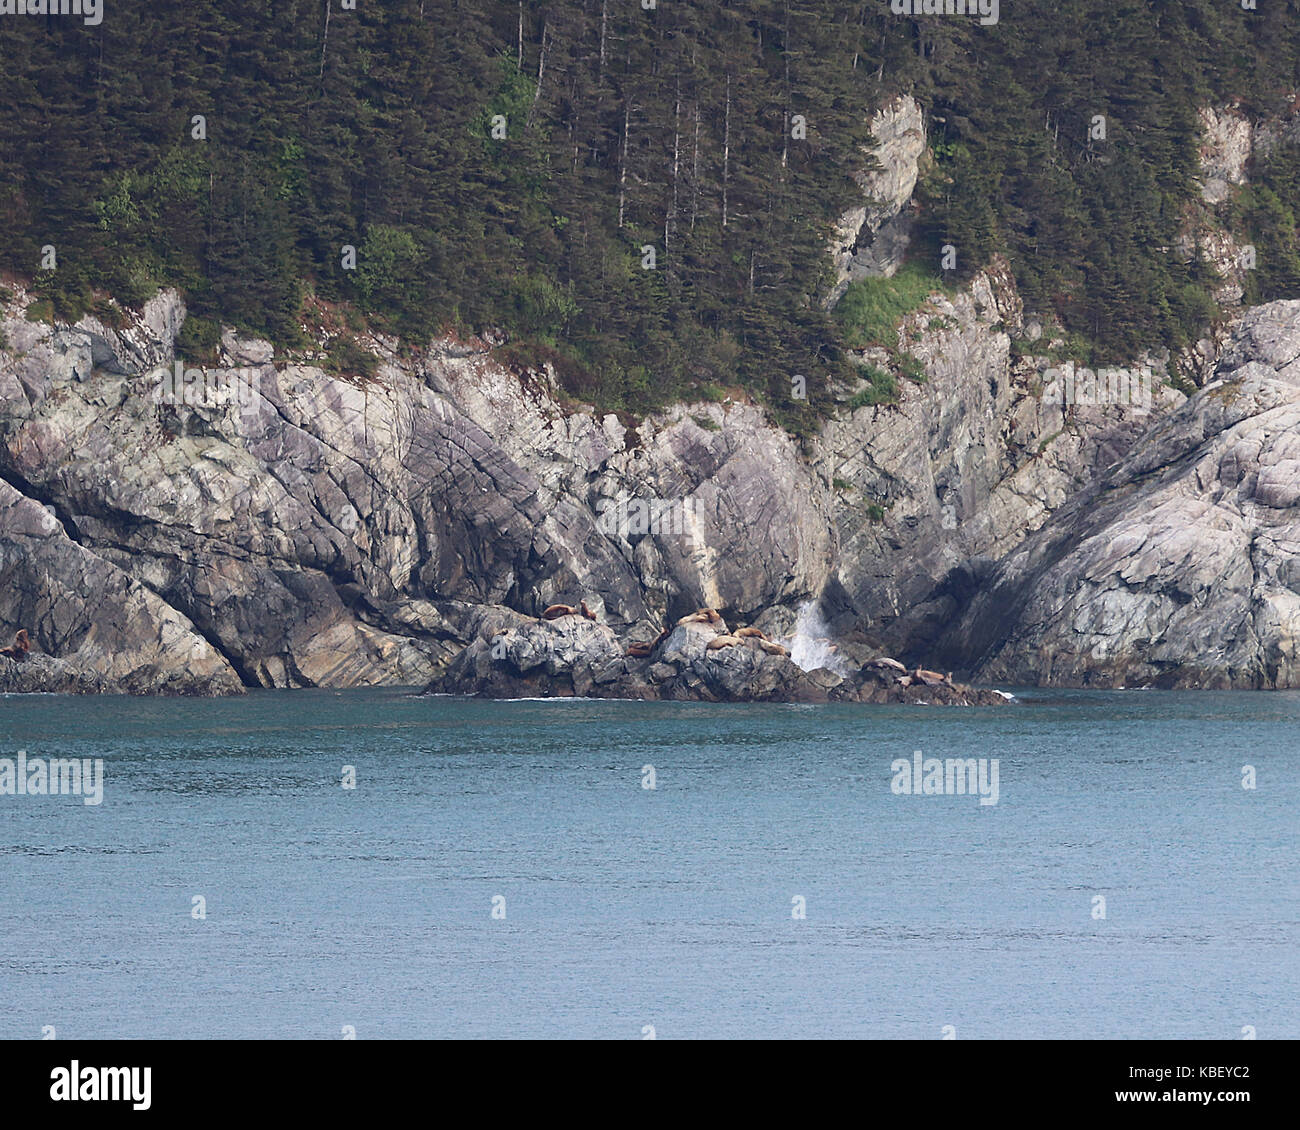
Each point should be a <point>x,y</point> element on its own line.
<point>811,647</point>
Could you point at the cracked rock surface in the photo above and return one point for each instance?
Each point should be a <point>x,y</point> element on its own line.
<point>334,529</point>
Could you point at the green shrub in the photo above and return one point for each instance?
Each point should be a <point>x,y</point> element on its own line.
<point>198,339</point>
<point>42,310</point>
<point>346,357</point>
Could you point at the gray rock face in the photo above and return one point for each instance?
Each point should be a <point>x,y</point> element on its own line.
<point>872,238</point>
<point>332,530</point>
<point>962,469</point>
<point>340,531</point>
<point>92,627</point>
<point>1225,150</point>
<point>1180,566</point>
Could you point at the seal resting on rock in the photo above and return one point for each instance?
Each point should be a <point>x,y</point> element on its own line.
<point>928,678</point>
<point>557,610</point>
<point>752,633</point>
<point>703,616</point>
<point>885,661</point>
<point>641,650</point>
<point>719,642</point>
<point>587,612</point>
<point>20,648</point>
<point>773,648</point>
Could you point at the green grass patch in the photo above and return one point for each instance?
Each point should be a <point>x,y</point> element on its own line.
<point>883,389</point>
<point>872,308</point>
<point>910,366</point>
<point>42,310</point>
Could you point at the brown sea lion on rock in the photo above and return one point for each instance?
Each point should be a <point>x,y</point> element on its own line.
<point>640,650</point>
<point>702,616</point>
<point>587,612</point>
<point>21,646</point>
<point>752,633</point>
<point>719,642</point>
<point>929,678</point>
<point>885,661</point>
<point>773,648</point>
<point>557,610</point>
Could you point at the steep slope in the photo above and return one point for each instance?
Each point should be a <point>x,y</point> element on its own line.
<point>1181,565</point>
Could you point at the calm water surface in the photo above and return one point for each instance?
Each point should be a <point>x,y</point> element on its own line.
<point>672,907</point>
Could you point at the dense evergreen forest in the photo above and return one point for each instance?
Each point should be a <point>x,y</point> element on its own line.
<point>509,164</point>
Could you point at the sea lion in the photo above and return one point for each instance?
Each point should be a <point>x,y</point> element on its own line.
<point>557,610</point>
<point>587,612</point>
<point>702,616</point>
<point>20,648</point>
<point>641,650</point>
<point>885,661</point>
<point>929,678</point>
<point>752,633</point>
<point>773,648</point>
<point>719,642</point>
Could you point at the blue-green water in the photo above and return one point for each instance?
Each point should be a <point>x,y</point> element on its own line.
<point>627,907</point>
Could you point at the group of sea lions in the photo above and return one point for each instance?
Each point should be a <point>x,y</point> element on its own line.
<point>20,648</point>
<point>907,678</point>
<point>642,650</point>
<point>639,649</point>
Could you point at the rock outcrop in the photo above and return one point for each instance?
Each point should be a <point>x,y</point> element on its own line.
<point>1178,567</point>
<point>935,490</point>
<point>515,657</point>
<point>92,626</point>
<point>337,530</point>
<point>871,238</point>
<point>323,529</point>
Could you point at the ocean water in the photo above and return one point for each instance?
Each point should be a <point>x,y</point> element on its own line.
<point>627,908</point>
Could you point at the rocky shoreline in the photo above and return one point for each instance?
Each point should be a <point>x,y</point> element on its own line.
<point>697,660</point>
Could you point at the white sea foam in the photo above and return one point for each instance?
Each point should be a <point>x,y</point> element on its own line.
<point>811,645</point>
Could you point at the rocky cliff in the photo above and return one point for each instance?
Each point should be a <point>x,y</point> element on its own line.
<point>269,521</point>
<point>1180,564</point>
